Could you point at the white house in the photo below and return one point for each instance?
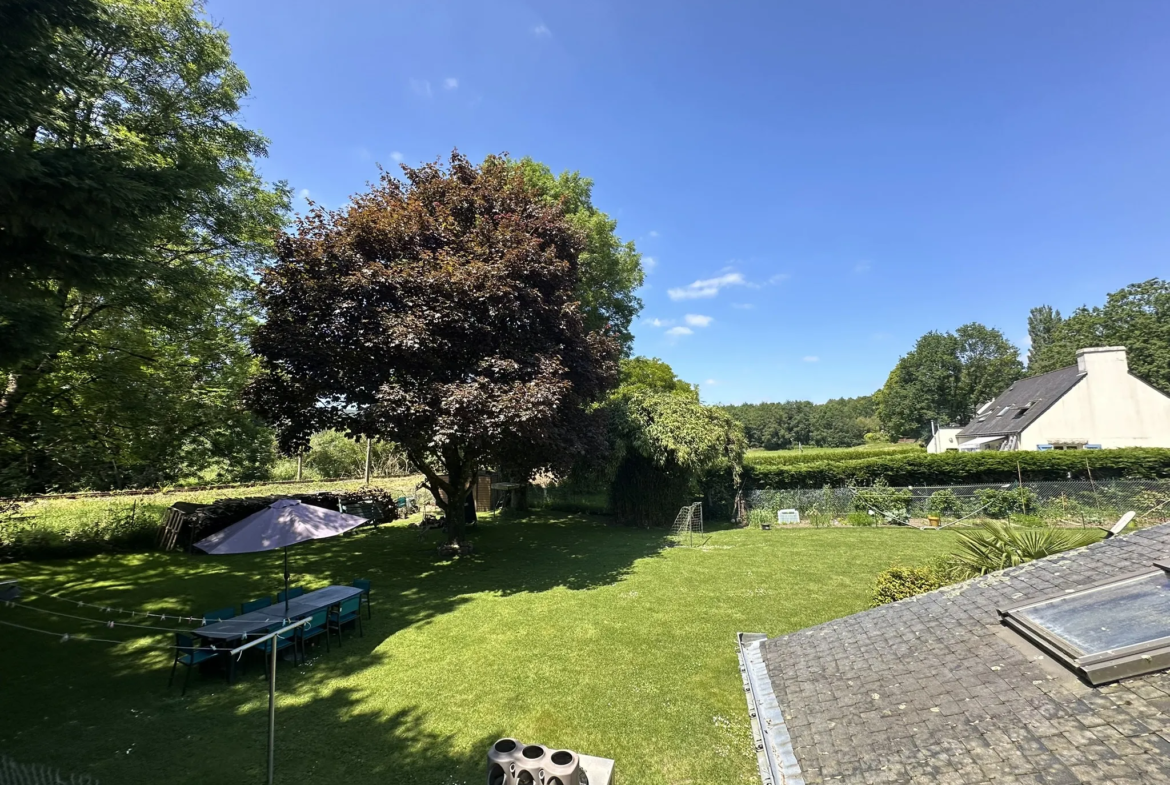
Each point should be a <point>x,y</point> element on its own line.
<point>1095,404</point>
<point>944,440</point>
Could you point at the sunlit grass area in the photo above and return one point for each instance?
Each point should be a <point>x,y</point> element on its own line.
<point>563,630</point>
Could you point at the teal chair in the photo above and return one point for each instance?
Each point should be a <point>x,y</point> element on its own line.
<point>281,642</point>
<point>364,585</point>
<point>318,625</point>
<point>293,593</point>
<point>220,615</point>
<point>189,653</point>
<point>256,605</point>
<point>348,612</point>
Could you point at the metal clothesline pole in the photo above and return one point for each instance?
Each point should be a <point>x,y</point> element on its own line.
<point>271,686</point>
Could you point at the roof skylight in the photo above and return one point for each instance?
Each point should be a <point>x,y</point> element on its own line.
<point>1106,632</point>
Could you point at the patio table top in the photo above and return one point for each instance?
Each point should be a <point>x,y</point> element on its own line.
<point>260,620</point>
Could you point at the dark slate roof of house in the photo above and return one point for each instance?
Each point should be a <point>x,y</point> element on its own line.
<point>935,690</point>
<point>1040,391</point>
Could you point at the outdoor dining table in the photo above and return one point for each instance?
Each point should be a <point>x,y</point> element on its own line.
<point>257,622</point>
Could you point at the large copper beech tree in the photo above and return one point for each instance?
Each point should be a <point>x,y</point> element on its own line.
<point>439,313</point>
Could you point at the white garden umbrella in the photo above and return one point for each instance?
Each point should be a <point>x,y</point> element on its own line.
<point>279,525</point>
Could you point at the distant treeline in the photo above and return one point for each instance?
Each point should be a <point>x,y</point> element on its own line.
<point>840,422</point>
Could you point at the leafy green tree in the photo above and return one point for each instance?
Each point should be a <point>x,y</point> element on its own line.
<point>843,422</point>
<point>439,313</point>
<point>609,270</point>
<point>131,218</point>
<point>650,373</point>
<point>1043,322</point>
<point>1136,317</point>
<point>990,364</point>
<point>923,386</point>
<point>840,422</point>
<point>945,378</point>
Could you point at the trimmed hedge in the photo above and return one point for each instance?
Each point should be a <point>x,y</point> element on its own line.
<point>816,454</point>
<point>962,468</point>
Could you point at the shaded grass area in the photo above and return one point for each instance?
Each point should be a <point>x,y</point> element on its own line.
<point>562,630</point>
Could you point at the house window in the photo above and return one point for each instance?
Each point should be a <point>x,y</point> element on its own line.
<point>1110,631</point>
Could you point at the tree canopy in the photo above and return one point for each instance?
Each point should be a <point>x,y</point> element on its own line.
<point>131,219</point>
<point>609,270</point>
<point>1043,322</point>
<point>839,422</point>
<point>1136,317</point>
<point>440,313</point>
<point>652,374</point>
<point>945,378</point>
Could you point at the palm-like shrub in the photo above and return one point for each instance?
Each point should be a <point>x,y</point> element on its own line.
<point>996,545</point>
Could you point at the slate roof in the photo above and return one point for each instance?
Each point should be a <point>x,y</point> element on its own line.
<point>935,690</point>
<point>1041,391</point>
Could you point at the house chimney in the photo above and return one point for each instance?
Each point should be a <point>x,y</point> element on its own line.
<point>1102,360</point>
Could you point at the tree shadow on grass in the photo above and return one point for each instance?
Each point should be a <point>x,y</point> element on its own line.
<point>410,582</point>
<point>100,709</point>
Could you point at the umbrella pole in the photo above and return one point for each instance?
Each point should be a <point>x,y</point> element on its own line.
<point>285,549</point>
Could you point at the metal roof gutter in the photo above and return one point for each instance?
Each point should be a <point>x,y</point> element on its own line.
<point>777,761</point>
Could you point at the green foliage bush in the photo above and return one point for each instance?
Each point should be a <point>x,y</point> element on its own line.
<point>860,519</point>
<point>898,583</point>
<point>959,468</point>
<point>1001,502</point>
<point>881,498</point>
<point>20,540</point>
<point>944,502</point>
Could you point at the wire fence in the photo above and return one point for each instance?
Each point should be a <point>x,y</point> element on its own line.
<point>13,773</point>
<point>1057,503</point>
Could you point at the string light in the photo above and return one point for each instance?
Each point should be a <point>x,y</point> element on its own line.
<point>200,620</point>
<point>104,622</point>
<point>67,637</point>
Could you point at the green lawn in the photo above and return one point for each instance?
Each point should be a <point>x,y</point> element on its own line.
<point>561,630</point>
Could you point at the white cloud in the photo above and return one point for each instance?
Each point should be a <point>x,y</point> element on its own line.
<point>396,157</point>
<point>811,358</point>
<point>779,278</point>
<point>743,306</point>
<point>710,382</point>
<point>450,83</point>
<point>708,287</point>
<point>680,331</point>
<point>653,233</point>
<point>861,268</point>
<point>304,194</point>
<point>656,322</point>
<point>649,262</point>
<point>698,320</point>
<point>542,31</point>
<point>421,87</point>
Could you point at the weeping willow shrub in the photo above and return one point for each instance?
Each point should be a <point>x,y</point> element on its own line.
<point>664,443</point>
<point>645,494</point>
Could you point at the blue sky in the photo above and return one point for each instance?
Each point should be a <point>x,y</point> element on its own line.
<point>818,183</point>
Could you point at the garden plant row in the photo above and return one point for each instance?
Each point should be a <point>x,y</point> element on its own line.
<point>957,468</point>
